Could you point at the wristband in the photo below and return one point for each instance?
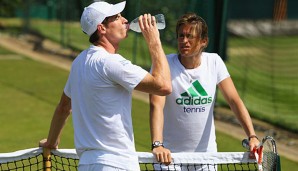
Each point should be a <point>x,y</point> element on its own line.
<point>252,136</point>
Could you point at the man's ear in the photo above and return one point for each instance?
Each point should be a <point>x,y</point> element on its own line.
<point>101,28</point>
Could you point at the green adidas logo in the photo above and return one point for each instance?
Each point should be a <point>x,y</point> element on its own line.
<point>195,95</point>
<point>194,90</point>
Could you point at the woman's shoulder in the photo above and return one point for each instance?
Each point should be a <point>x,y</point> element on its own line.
<point>172,58</point>
<point>210,55</point>
<point>172,55</point>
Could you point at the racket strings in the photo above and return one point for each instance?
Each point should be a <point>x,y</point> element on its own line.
<point>269,156</point>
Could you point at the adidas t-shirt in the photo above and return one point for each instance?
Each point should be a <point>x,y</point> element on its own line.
<point>100,86</point>
<point>188,112</point>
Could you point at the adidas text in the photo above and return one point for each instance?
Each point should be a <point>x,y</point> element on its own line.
<point>194,100</point>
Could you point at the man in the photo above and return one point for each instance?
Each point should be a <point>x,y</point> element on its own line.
<point>183,121</point>
<point>99,90</point>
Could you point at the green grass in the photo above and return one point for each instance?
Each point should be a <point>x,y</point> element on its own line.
<point>264,69</point>
<point>30,91</point>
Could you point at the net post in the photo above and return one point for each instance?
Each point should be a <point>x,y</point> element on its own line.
<point>47,159</point>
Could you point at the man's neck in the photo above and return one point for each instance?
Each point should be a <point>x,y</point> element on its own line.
<point>108,46</point>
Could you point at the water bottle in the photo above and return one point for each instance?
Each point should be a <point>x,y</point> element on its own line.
<point>160,23</point>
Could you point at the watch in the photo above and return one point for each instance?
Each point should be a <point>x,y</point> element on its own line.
<point>156,144</point>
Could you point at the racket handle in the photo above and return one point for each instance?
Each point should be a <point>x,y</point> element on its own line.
<point>245,144</point>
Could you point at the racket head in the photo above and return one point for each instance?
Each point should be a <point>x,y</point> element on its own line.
<point>269,154</point>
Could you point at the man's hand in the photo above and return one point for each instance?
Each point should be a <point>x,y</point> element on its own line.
<point>44,143</point>
<point>149,29</point>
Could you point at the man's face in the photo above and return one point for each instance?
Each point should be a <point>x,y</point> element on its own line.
<point>117,28</point>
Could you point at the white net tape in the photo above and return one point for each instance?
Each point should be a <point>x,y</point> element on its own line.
<point>62,159</point>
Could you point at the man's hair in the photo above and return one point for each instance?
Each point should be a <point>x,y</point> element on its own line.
<point>200,27</point>
<point>95,37</point>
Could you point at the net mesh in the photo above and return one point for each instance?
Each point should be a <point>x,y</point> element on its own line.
<point>67,160</point>
<point>29,159</point>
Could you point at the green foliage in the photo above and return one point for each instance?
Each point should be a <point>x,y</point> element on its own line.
<point>8,7</point>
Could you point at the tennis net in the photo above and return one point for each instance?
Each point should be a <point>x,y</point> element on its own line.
<point>67,160</point>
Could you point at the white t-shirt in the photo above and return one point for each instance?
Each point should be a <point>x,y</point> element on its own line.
<point>100,86</point>
<point>188,112</point>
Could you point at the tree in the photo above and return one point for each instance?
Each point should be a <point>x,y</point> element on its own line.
<point>8,7</point>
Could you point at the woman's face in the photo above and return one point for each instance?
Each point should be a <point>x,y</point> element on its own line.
<point>189,42</point>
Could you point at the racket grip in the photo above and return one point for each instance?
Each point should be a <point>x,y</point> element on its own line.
<point>245,144</point>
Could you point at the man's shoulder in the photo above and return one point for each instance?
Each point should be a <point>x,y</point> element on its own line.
<point>116,61</point>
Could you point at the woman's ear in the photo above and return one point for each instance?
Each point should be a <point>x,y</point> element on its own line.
<point>204,42</point>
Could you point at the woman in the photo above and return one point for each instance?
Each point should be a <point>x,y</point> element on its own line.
<point>183,121</point>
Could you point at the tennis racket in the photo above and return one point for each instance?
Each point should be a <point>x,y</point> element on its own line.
<point>265,154</point>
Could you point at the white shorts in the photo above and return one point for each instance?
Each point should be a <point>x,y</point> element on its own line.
<point>98,167</point>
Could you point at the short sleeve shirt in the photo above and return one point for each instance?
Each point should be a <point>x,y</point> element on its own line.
<point>100,86</point>
<point>188,112</point>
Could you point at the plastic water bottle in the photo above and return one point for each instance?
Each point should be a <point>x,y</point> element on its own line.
<point>160,23</point>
